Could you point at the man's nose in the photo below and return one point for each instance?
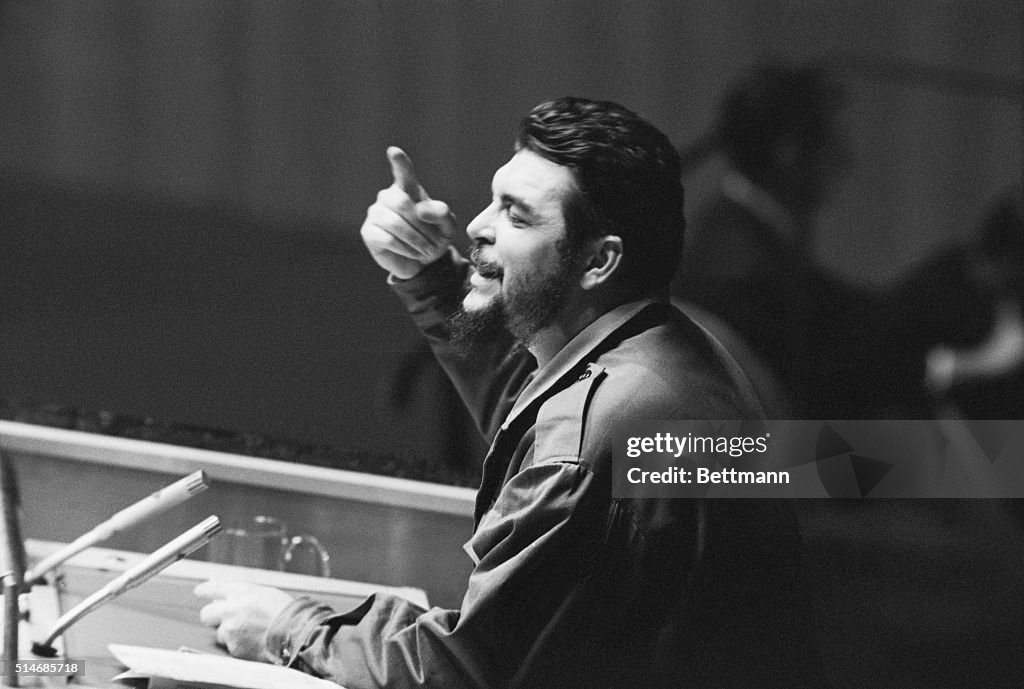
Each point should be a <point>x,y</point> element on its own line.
<point>479,229</point>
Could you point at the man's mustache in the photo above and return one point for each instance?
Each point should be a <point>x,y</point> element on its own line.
<point>486,269</point>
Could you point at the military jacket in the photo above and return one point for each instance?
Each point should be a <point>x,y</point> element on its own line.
<point>570,587</point>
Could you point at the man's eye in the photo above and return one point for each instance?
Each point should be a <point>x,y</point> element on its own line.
<point>514,217</point>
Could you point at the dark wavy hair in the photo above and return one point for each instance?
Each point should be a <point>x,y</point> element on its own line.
<point>628,183</point>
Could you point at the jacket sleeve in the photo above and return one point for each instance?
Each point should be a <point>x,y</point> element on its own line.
<point>530,550</point>
<point>488,381</point>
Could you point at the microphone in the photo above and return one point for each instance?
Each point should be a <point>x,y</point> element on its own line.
<point>193,539</point>
<point>160,501</point>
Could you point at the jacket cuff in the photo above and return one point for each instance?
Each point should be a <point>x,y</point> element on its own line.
<point>288,633</point>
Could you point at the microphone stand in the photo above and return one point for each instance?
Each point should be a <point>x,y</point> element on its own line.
<point>176,549</point>
<point>17,579</point>
<point>14,579</point>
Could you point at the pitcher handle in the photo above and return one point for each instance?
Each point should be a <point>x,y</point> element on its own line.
<point>323,560</point>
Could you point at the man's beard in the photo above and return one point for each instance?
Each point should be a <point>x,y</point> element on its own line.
<point>531,306</point>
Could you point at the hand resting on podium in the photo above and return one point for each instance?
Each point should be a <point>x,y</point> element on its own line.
<point>242,613</point>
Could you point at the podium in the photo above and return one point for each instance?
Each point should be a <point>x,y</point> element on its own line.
<point>162,613</point>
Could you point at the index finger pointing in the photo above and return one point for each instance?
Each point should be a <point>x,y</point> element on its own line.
<point>404,175</point>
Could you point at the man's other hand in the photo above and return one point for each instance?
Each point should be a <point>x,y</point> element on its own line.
<point>405,230</point>
<point>242,613</point>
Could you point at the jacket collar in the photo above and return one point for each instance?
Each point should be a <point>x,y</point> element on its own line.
<point>573,353</point>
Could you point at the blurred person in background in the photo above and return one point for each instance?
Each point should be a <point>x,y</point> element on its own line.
<point>748,258</point>
<point>960,309</point>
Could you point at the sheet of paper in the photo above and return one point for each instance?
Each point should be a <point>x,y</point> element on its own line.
<point>201,668</point>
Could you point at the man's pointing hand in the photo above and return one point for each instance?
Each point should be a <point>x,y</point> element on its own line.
<point>405,230</point>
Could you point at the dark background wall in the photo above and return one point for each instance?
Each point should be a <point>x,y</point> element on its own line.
<point>182,182</point>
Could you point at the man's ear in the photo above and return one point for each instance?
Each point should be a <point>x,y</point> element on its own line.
<point>605,259</point>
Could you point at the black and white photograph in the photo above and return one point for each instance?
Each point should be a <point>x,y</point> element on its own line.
<point>359,344</point>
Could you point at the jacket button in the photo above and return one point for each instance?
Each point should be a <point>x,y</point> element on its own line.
<point>584,375</point>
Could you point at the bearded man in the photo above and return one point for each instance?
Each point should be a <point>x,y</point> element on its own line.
<point>559,328</point>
